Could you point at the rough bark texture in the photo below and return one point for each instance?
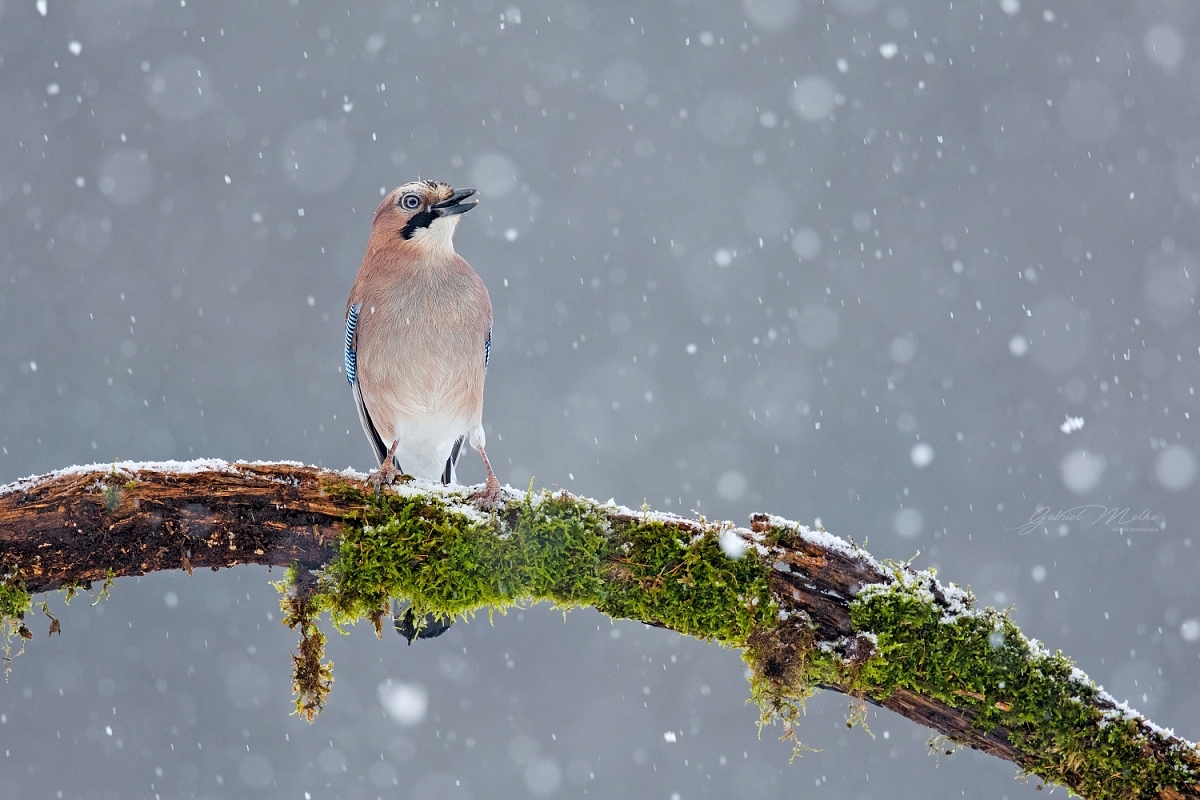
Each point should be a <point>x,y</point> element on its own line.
<point>90,524</point>
<point>75,528</point>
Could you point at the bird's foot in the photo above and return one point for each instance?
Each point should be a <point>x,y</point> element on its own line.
<point>388,471</point>
<point>386,474</point>
<point>491,496</point>
<point>411,628</point>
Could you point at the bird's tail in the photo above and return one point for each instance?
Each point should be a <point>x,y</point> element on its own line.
<point>448,473</point>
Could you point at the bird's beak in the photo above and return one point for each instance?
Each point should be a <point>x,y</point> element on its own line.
<point>455,203</point>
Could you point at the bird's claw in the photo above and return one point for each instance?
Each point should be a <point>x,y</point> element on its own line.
<point>386,474</point>
<point>490,497</point>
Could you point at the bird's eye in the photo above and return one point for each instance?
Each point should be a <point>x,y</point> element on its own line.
<point>410,202</point>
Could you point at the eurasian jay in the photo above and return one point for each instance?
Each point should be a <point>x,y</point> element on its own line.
<point>418,337</point>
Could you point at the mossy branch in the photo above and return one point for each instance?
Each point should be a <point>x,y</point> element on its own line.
<point>807,609</point>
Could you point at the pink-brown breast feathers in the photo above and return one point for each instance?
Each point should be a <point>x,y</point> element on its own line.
<point>423,325</point>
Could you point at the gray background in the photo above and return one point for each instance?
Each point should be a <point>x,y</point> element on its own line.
<point>854,261</point>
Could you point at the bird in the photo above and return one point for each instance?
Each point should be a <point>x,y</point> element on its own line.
<point>418,339</point>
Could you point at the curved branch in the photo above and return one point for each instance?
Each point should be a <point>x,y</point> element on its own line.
<point>808,609</point>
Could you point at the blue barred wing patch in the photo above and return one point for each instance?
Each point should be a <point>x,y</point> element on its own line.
<point>351,355</point>
<point>487,349</point>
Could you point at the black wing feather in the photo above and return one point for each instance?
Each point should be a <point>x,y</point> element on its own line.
<point>369,426</point>
<point>351,354</point>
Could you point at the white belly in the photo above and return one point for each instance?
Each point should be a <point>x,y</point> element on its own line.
<point>426,443</point>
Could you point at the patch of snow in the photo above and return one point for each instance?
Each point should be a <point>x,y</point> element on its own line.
<point>958,601</point>
<point>667,518</point>
<point>121,468</point>
<point>825,540</point>
<point>1037,649</point>
<point>1071,424</point>
<point>405,703</point>
<point>732,544</point>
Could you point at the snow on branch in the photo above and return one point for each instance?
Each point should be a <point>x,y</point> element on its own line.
<point>808,610</point>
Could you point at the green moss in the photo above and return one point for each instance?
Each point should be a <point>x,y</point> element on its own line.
<point>911,633</point>
<point>558,548</point>
<point>71,589</point>
<point>687,585</point>
<point>450,565</point>
<point>14,601</point>
<point>979,661</point>
<point>552,548</point>
<point>788,665</point>
<point>312,677</point>
<point>112,497</point>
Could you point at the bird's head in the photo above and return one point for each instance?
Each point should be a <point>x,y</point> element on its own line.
<point>424,212</point>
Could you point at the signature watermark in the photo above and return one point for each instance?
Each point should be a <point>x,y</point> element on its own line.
<point>1121,520</point>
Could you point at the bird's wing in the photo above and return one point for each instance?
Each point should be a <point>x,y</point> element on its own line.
<point>351,354</point>
<point>487,348</point>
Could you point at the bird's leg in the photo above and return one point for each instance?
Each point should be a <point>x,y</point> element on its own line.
<point>491,495</point>
<point>387,469</point>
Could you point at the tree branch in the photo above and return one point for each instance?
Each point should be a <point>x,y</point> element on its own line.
<point>809,610</point>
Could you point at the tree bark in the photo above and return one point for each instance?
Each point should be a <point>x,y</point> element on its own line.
<point>88,524</point>
<point>78,527</point>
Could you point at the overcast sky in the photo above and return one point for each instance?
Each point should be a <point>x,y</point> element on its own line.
<point>924,272</point>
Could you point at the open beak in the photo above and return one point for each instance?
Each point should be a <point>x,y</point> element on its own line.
<point>455,203</point>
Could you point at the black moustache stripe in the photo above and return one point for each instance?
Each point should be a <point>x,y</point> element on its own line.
<point>416,222</point>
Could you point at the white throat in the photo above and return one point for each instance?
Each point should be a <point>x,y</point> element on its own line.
<point>438,236</point>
